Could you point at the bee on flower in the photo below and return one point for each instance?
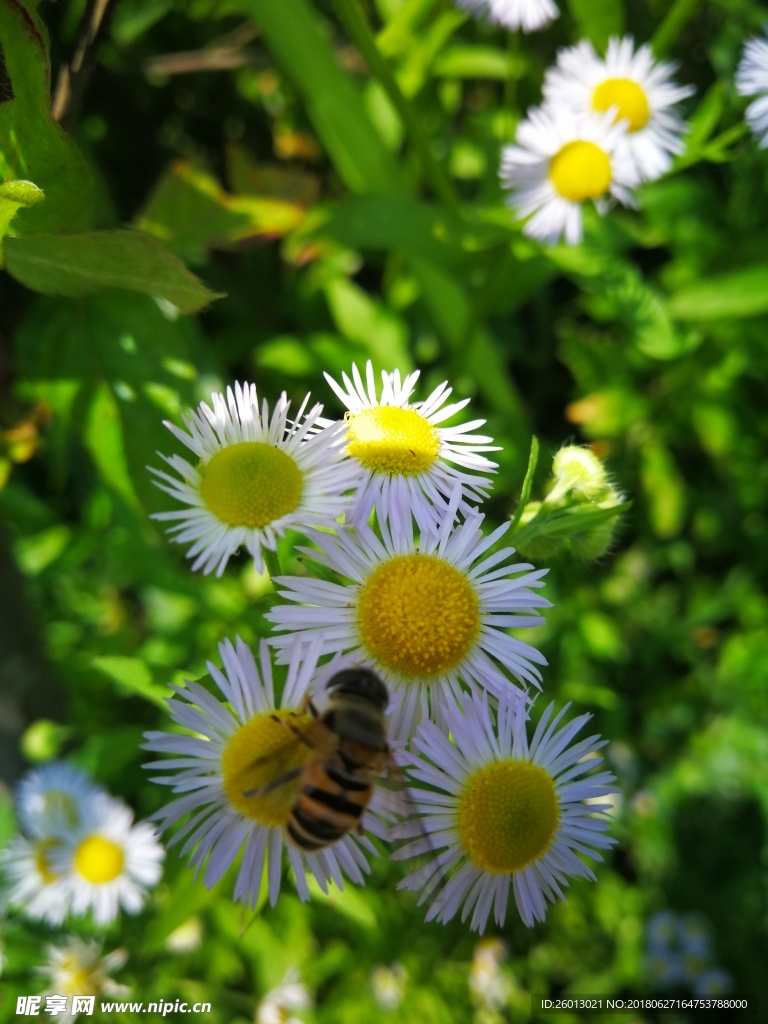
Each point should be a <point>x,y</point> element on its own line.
<point>237,778</point>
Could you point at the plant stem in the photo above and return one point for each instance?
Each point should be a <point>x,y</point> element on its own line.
<point>673,24</point>
<point>361,35</point>
<point>271,562</point>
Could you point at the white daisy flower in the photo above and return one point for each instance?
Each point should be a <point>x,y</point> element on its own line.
<point>559,162</point>
<point>409,462</point>
<point>53,797</point>
<point>636,88</point>
<point>428,615</point>
<point>752,80</point>
<point>277,1005</point>
<point>78,969</point>
<point>504,812</point>
<point>238,748</point>
<point>109,862</point>
<point>528,15</point>
<point>32,876</point>
<point>256,477</point>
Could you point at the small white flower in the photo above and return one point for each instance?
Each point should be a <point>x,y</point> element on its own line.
<point>428,615</point>
<point>78,969</point>
<point>528,15</point>
<point>53,797</point>
<point>107,863</point>
<point>560,161</point>
<point>277,1005</point>
<point>752,80</point>
<point>31,876</point>
<point>410,463</point>
<point>256,477</point>
<point>237,748</point>
<point>638,89</point>
<point>506,813</point>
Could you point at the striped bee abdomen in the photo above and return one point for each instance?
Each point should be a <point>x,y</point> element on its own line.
<point>333,796</point>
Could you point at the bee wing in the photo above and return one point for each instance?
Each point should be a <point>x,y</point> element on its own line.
<point>293,737</point>
<point>407,831</point>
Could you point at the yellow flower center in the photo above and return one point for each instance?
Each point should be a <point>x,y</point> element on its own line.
<point>43,850</point>
<point>259,754</point>
<point>508,815</point>
<point>389,439</point>
<point>580,170</point>
<point>99,860</point>
<point>418,615</point>
<point>250,484</point>
<point>74,978</point>
<point>627,97</point>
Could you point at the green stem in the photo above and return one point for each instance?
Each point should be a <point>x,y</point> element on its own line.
<point>271,562</point>
<point>673,24</point>
<point>361,35</point>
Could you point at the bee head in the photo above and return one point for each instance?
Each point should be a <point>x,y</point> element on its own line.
<point>358,682</point>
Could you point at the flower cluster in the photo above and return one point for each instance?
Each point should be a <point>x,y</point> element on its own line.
<point>411,589</point>
<point>78,850</point>
<point>606,125</point>
<point>678,954</point>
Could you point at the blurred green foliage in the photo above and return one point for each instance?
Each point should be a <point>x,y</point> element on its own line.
<point>329,170</point>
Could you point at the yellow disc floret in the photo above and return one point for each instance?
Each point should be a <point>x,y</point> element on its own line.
<point>76,980</point>
<point>59,803</point>
<point>261,753</point>
<point>627,97</point>
<point>580,170</point>
<point>508,815</point>
<point>250,484</point>
<point>99,860</point>
<point>418,615</point>
<point>388,439</point>
<point>43,850</point>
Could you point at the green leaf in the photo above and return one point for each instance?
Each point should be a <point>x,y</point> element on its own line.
<point>133,678</point>
<point>191,213</point>
<point>292,31</point>
<point>599,19</point>
<point>525,493</point>
<point>480,356</point>
<point>361,319</point>
<point>80,264</point>
<point>13,196</point>
<point>742,293</point>
<point>463,61</point>
<point>33,146</point>
<point>564,522</point>
<point>111,367</point>
<point>406,225</point>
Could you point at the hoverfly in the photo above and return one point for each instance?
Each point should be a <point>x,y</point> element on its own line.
<point>350,751</point>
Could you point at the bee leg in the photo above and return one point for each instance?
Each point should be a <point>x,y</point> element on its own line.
<point>281,780</point>
<point>295,730</point>
<point>308,705</point>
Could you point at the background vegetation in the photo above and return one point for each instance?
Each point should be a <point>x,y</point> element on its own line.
<point>336,202</point>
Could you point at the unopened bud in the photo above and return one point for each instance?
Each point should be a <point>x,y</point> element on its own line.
<point>578,471</point>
